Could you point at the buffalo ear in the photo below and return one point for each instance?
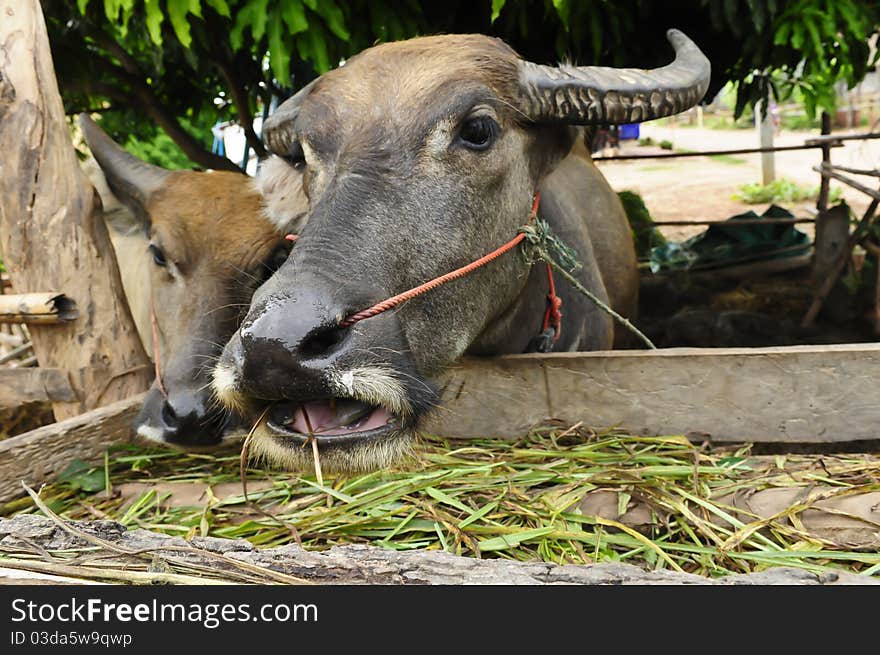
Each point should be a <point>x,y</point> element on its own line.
<point>284,202</point>
<point>550,145</point>
<point>119,218</point>
<point>130,180</point>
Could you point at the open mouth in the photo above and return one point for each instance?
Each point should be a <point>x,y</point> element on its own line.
<point>331,420</point>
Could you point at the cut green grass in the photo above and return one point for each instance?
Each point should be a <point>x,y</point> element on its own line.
<point>517,500</point>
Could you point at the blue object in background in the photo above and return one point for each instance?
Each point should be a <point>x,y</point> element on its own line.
<point>629,131</point>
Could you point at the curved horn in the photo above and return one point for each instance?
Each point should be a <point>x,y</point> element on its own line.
<point>585,95</point>
<point>132,181</point>
<point>278,128</point>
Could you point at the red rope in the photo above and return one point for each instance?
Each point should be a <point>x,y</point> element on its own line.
<point>553,315</point>
<point>400,298</point>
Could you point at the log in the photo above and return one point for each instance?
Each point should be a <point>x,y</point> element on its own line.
<point>38,456</point>
<point>793,394</point>
<point>34,385</point>
<point>142,553</point>
<point>801,394</point>
<point>37,308</point>
<point>52,234</point>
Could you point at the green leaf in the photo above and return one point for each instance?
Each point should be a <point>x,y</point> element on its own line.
<point>295,17</point>
<point>318,50</point>
<point>813,31</point>
<point>154,18</point>
<point>797,35</point>
<point>220,7</point>
<point>111,9</point>
<point>849,13</point>
<point>446,499</point>
<point>81,475</point>
<point>497,6</point>
<point>563,10</point>
<point>480,513</point>
<point>81,5</point>
<point>279,53</point>
<point>177,12</point>
<point>127,11</point>
<point>253,16</point>
<point>258,26</point>
<point>782,34</point>
<point>508,540</point>
<point>333,16</point>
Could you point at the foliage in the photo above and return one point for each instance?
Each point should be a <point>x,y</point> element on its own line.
<point>645,235</point>
<point>781,190</point>
<point>666,144</point>
<point>161,149</point>
<point>803,46</point>
<point>156,62</point>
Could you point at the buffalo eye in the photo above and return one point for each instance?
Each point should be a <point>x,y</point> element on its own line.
<point>158,256</point>
<point>276,259</point>
<point>478,133</point>
<point>295,155</point>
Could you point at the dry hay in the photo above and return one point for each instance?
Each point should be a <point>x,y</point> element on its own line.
<point>559,495</point>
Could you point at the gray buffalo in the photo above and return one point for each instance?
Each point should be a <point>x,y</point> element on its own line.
<point>418,157</point>
<point>192,247</point>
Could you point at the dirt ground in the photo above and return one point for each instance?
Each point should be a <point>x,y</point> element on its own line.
<point>695,188</point>
<point>684,311</point>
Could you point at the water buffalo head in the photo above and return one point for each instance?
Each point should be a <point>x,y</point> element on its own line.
<point>417,157</point>
<point>192,247</point>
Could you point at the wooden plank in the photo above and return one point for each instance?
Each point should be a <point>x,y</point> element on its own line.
<point>813,394</point>
<point>52,233</point>
<point>31,385</point>
<point>39,455</point>
<point>44,308</point>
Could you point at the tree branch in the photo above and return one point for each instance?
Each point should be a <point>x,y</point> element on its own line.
<point>242,104</point>
<point>153,106</point>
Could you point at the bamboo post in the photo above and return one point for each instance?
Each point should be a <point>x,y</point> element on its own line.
<point>52,233</point>
<point>43,308</point>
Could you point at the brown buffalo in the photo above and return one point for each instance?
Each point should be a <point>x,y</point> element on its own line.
<point>193,246</point>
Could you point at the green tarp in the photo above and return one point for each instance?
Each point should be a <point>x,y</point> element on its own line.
<point>728,242</point>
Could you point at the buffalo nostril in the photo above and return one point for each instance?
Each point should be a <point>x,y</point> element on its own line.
<point>169,417</point>
<point>322,341</point>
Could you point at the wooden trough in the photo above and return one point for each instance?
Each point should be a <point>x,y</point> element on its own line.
<point>795,394</point>
<point>93,367</point>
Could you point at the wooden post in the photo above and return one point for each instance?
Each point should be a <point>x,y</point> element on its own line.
<point>52,233</point>
<point>764,126</point>
<point>832,236</point>
<point>822,200</point>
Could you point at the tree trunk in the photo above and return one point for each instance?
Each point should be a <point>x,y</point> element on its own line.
<point>52,232</point>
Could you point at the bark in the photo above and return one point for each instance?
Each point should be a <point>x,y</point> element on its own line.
<point>52,231</point>
<point>151,557</point>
